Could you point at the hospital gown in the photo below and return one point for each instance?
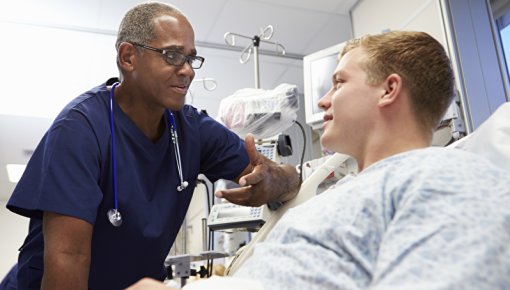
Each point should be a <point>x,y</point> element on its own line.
<point>432,218</point>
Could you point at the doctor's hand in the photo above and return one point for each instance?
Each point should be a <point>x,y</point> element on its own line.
<point>262,181</point>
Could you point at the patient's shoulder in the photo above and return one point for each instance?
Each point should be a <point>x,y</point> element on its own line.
<point>444,158</point>
<point>433,159</point>
<point>441,168</point>
<point>464,164</point>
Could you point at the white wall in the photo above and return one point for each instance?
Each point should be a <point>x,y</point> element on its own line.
<point>44,77</point>
<point>14,228</point>
<point>42,81</point>
<point>398,15</point>
<point>58,49</point>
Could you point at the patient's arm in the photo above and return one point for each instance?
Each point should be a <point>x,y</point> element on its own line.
<point>213,283</point>
<point>149,284</point>
<point>448,239</point>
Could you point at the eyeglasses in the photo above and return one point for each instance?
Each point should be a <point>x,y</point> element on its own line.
<point>175,58</point>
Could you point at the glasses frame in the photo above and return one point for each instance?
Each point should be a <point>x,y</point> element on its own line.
<point>187,58</point>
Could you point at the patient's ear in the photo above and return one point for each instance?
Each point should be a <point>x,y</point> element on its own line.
<point>392,86</point>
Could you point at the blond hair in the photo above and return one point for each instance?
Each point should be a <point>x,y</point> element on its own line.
<point>420,61</point>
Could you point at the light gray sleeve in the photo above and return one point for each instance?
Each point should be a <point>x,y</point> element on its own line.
<point>450,232</point>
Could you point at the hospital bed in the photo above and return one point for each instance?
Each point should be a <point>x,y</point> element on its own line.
<point>491,140</point>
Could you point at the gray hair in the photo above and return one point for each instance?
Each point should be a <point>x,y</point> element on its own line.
<point>138,23</point>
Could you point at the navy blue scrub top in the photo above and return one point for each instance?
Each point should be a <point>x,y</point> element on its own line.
<point>70,173</point>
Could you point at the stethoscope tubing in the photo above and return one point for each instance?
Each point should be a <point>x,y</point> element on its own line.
<point>114,152</point>
<point>113,214</point>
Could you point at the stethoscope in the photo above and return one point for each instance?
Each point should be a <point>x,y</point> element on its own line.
<point>113,214</point>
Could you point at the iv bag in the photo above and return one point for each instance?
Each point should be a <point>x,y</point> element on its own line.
<point>263,113</point>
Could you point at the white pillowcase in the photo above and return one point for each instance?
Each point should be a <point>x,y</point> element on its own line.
<point>491,139</point>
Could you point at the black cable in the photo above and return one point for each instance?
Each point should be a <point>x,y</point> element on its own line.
<point>274,205</point>
<point>302,153</point>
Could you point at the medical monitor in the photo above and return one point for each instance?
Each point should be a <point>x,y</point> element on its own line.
<point>318,70</point>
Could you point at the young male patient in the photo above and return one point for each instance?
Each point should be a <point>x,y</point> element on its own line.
<point>415,217</point>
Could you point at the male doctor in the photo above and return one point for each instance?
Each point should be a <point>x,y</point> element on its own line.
<point>108,187</point>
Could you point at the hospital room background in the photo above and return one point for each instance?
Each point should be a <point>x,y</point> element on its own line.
<point>53,50</point>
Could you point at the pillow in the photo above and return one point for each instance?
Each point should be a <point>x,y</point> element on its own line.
<point>491,139</point>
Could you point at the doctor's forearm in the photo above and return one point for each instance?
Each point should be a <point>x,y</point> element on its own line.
<point>65,271</point>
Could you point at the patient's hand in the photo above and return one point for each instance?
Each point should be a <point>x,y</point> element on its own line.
<point>149,284</point>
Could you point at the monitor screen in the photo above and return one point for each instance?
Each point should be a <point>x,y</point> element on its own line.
<point>318,70</point>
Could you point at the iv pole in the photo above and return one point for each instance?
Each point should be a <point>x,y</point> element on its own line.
<point>264,36</point>
<point>209,84</point>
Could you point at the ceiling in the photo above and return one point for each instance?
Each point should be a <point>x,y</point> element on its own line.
<point>301,26</point>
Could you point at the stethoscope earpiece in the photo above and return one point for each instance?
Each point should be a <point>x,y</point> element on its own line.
<point>113,214</point>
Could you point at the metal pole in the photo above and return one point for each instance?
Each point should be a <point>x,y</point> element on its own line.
<point>256,43</point>
<point>204,234</point>
<point>184,236</point>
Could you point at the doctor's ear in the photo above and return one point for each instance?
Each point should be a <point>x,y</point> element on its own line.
<point>392,86</point>
<point>126,56</point>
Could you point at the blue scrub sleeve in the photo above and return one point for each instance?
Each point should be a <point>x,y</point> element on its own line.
<point>63,174</point>
<point>223,153</point>
<point>9,282</point>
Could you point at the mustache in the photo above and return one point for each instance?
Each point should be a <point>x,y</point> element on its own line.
<point>186,81</point>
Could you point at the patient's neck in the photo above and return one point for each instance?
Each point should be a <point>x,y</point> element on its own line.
<point>389,143</point>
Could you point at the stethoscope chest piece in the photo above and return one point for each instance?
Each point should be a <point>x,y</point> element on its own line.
<point>114,217</point>
<point>183,186</point>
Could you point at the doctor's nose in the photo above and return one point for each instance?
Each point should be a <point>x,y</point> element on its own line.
<point>187,69</point>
